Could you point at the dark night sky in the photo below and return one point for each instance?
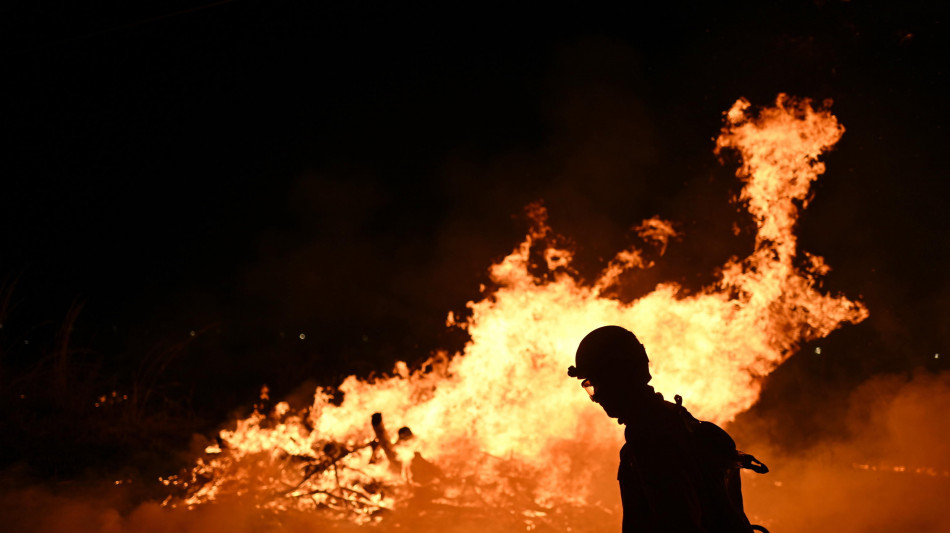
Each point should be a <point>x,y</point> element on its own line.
<point>253,168</point>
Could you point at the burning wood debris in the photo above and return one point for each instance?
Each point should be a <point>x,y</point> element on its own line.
<point>359,482</point>
<point>347,480</point>
<point>498,425</point>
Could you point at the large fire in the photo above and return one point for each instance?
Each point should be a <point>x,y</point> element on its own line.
<point>499,424</point>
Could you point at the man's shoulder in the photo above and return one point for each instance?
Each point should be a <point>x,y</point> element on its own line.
<point>707,434</point>
<point>671,420</point>
<point>661,421</point>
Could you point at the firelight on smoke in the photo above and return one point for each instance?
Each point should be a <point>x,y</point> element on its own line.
<point>502,411</point>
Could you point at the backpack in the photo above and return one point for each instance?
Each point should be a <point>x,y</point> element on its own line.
<point>721,460</point>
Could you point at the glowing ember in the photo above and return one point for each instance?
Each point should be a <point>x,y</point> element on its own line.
<point>500,424</point>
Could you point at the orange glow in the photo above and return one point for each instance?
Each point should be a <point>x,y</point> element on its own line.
<point>503,407</point>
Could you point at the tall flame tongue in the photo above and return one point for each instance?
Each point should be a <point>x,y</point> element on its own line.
<point>504,408</point>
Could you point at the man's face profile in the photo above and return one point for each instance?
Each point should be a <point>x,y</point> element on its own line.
<point>610,393</point>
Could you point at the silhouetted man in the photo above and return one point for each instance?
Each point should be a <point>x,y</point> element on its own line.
<point>676,474</point>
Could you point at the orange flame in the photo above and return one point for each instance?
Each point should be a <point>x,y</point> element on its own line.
<point>506,399</point>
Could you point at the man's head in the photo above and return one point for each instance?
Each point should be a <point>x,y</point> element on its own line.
<point>613,366</point>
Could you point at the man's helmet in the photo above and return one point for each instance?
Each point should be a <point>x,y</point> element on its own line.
<point>611,351</point>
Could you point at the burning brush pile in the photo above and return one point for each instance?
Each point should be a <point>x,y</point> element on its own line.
<point>498,427</point>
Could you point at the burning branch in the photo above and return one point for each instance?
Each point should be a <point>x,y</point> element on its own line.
<point>382,440</point>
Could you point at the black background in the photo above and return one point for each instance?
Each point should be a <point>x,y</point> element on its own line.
<point>250,171</point>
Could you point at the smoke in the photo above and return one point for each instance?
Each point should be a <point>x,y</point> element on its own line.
<point>370,252</point>
<point>40,510</point>
<point>889,470</point>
